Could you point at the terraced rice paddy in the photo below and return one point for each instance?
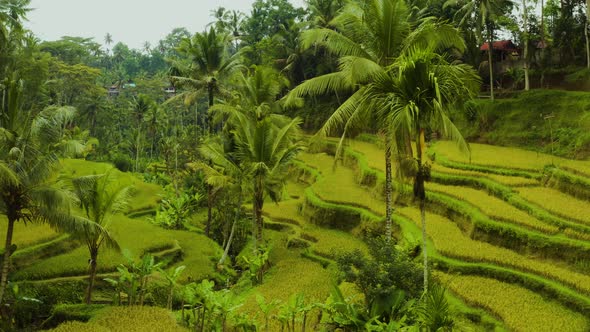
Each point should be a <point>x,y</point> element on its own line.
<point>520,308</point>
<point>494,207</point>
<point>558,203</point>
<point>450,241</point>
<point>303,251</point>
<point>513,181</point>
<point>490,155</point>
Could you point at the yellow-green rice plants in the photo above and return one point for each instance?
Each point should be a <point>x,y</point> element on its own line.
<point>558,203</point>
<point>123,319</point>
<point>451,242</point>
<point>290,274</point>
<point>491,155</point>
<point>29,234</point>
<point>513,181</point>
<point>136,235</point>
<point>339,185</point>
<point>520,308</point>
<point>326,242</point>
<point>494,207</point>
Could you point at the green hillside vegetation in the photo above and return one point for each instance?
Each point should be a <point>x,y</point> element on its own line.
<point>519,121</point>
<point>343,166</point>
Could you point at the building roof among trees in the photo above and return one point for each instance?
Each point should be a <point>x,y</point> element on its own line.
<point>501,45</point>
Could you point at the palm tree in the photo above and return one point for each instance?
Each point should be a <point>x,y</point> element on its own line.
<point>483,13</point>
<point>108,40</point>
<point>586,34</point>
<point>266,150</point>
<point>209,65</point>
<point>260,136</point>
<point>99,200</point>
<point>226,173</point>
<point>154,119</point>
<point>27,161</point>
<point>369,37</point>
<point>12,13</point>
<point>526,45</point>
<point>322,12</point>
<point>140,107</point>
<point>415,94</point>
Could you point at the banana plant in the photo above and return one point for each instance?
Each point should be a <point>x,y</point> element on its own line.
<point>172,278</point>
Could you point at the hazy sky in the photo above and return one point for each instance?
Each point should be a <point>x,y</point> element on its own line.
<point>130,21</point>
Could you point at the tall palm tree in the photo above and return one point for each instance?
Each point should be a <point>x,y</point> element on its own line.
<point>265,142</point>
<point>482,14</point>
<point>322,12</point>
<point>414,95</point>
<point>12,32</point>
<point>108,40</point>
<point>140,107</point>
<point>209,64</point>
<point>225,173</point>
<point>99,200</point>
<point>370,35</point>
<point>27,160</point>
<point>586,34</point>
<point>266,150</point>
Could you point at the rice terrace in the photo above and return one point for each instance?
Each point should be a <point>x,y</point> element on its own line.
<point>295,165</point>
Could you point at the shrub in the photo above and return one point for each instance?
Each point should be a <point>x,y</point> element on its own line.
<point>122,163</point>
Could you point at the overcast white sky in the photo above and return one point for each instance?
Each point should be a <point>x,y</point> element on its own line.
<point>130,21</point>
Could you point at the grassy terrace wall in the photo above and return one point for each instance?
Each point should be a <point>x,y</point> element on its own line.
<point>519,121</point>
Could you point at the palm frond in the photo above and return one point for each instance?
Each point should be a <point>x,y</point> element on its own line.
<point>334,42</point>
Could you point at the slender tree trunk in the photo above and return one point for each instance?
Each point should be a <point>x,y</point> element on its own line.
<point>6,257</point>
<point>137,148</point>
<point>91,276</point>
<point>258,205</point>
<point>526,46</point>
<point>424,240</point>
<point>388,190</point>
<point>233,228</point>
<point>209,187</point>
<point>587,27</point>
<point>209,209</point>
<point>490,60</point>
<point>420,193</point>
<point>170,294</point>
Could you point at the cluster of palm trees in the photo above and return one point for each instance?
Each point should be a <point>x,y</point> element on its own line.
<point>249,144</point>
<point>399,72</point>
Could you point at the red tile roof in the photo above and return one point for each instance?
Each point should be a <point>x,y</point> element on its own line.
<point>502,45</point>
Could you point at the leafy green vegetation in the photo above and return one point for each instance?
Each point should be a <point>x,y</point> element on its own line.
<point>199,174</point>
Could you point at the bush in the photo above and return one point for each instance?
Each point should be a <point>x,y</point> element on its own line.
<point>122,163</point>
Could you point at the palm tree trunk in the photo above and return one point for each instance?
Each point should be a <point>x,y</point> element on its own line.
<point>490,60</point>
<point>526,46</point>
<point>137,148</point>
<point>587,26</point>
<point>170,295</point>
<point>6,257</point>
<point>91,276</point>
<point>259,221</point>
<point>388,190</point>
<point>420,193</point>
<point>233,228</point>
<point>424,249</point>
<point>209,209</point>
